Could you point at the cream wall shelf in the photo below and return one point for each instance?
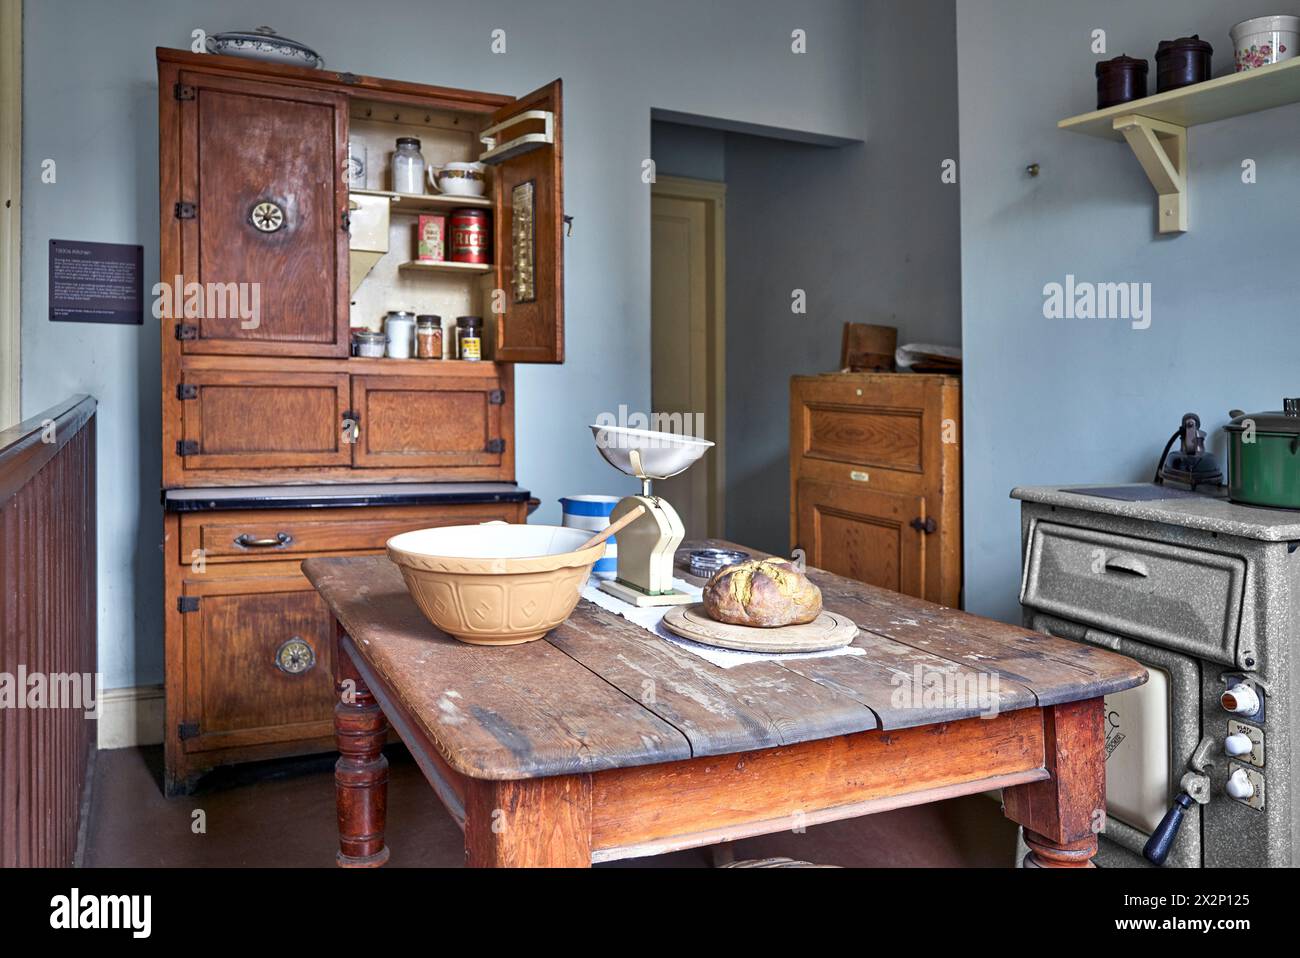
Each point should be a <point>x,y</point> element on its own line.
<point>1155,127</point>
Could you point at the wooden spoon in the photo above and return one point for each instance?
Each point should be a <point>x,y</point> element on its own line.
<point>612,528</point>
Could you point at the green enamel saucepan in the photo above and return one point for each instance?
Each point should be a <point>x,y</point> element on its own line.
<point>1264,457</point>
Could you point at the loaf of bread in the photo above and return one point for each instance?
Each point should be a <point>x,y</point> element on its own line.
<point>762,592</point>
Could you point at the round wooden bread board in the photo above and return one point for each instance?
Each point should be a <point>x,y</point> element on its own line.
<point>828,631</point>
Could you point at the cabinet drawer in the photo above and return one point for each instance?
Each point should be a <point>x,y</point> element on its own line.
<point>258,664</point>
<point>408,421</point>
<point>1183,599</point>
<point>284,533</point>
<point>258,420</point>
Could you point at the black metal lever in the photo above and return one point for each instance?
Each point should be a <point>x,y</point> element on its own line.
<point>1161,841</point>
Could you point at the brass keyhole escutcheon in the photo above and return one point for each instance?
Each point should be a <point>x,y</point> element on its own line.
<point>267,216</point>
<point>295,656</point>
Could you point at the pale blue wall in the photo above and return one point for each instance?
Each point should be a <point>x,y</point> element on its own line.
<point>90,103</point>
<point>1091,401</point>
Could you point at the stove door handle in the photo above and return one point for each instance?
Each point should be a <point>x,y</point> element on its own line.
<point>1130,564</point>
<point>1161,841</point>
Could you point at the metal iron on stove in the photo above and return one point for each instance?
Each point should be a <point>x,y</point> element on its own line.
<point>1192,463</point>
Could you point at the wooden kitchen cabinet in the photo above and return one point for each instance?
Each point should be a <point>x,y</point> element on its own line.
<point>263,406</point>
<point>875,479</point>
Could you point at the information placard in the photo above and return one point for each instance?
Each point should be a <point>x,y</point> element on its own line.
<point>96,282</point>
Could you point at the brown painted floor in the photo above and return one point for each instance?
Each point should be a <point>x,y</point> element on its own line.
<point>282,814</point>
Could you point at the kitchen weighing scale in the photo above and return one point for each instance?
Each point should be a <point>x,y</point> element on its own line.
<point>647,545</point>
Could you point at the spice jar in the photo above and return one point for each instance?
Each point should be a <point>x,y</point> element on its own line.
<point>469,338</point>
<point>1120,80</point>
<point>428,337</point>
<point>368,343</point>
<point>408,166</point>
<point>469,236</point>
<point>399,328</point>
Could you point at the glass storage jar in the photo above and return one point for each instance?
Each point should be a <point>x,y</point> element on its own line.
<point>428,337</point>
<point>399,327</point>
<point>368,344</point>
<point>469,338</point>
<point>408,166</point>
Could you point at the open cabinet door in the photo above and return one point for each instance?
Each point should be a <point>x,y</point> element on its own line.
<point>523,144</point>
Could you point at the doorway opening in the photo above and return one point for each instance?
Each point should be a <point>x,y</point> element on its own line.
<point>688,336</point>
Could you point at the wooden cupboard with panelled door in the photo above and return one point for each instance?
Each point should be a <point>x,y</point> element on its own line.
<point>875,479</point>
<point>266,275</point>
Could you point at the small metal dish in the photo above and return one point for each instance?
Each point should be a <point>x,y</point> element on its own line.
<point>705,562</point>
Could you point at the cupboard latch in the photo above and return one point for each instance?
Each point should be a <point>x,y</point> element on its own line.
<point>187,391</point>
<point>183,91</point>
<point>496,445</point>
<point>186,211</point>
<point>186,331</point>
<point>187,603</point>
<point>568,225</point>
<point>187,447</point>
<point>926,525</point>
<point>345,221</point>
<point>187,730</point>
<point>497,397</point>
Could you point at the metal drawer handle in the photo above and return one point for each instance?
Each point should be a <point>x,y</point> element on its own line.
<point>1129,564</point>
<point>246,541</point>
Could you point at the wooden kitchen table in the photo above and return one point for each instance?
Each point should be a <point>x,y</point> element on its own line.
<point>602,741</point>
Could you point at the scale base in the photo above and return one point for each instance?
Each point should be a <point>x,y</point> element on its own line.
<point>634,596</point>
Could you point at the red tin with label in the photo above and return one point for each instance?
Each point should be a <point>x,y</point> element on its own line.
<point>470,239</point>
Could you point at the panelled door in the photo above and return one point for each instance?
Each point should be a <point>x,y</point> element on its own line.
<point>233,420</point>
<point>257,662</point>
<point>408,421</point>
<point>529,227</point>
<point>863,535</point>
<point>262,204</point>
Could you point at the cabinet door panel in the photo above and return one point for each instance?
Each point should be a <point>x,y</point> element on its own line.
<point>529,235</point>
<point>862,535</point>
<point>247,143</point>
<point>236,693</point>
<point>262,420</point>
<point>408,421</point>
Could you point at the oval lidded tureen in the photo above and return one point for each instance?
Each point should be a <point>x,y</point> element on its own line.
<point>264,44</point>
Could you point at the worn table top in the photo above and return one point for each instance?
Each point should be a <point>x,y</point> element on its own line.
<point>600,692</point>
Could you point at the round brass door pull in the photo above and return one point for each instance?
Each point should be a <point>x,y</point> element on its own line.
<point>295,656</point>
<point>267,216</point>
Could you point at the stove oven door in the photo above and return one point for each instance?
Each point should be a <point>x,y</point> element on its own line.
<point>1151,733</point>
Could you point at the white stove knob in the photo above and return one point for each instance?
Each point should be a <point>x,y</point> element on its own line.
<point>1240,699</point>
<point>1239,785</point>
<point>1238,744</point>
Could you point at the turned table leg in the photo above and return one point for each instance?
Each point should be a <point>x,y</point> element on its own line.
<point>1062,815</point>
<point>531,823</point>
<point>361,773</point>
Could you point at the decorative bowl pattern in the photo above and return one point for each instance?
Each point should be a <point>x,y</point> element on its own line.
<point>495,584</point>
<point>1264,41</point>
<point>264,44</point>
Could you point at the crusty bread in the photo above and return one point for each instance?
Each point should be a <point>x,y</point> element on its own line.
<point>762,592</point>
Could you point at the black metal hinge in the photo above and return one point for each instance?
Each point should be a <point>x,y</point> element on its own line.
<point>346,221</point>
<point>186,331</point>
<point>187,391</point>
<point>183,91</point>
<point>497,397</point>
<point>187,730</point>
<point>187,603</point>
<point>187,447</point>
<point>496,445</point>
<point>924,525</point>
<point>186,211</point>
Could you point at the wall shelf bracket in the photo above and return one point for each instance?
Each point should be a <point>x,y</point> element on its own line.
<point>1161,148</point>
